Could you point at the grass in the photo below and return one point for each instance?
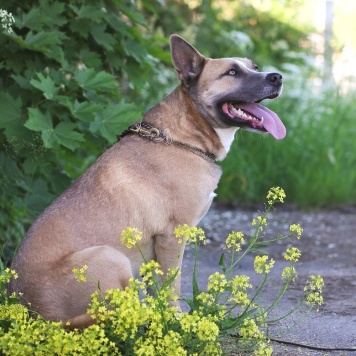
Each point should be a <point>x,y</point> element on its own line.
<point>314,163</point>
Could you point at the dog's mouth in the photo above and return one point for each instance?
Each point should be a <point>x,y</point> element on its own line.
<point>255,117</point>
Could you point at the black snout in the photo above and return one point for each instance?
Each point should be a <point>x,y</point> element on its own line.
<point>274,78</point>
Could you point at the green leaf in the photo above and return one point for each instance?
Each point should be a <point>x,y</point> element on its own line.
<point>101,37</point>
<point>43,40</point>
<point>10,110</point>
<point>155,48</point>
<point>38,197</point>
<point>66,136</point>
<point>222,262</point>
<point>22,81</point>
<point>46,85</point>
<point>134,49</point>
<point>44,16</point>
<point>89,12</point>
<point>31,19</point>
<point>38,121</point>
<point>84,111</point>
<point>49,138</point>
<point>81,26</point>
<point>89,80</point>
<point>196,290</point>
<point>117,24</point>
<point>12,121</point>
<point>90,58</point>
<point>13,300</point>
<point>62,134</point>
<point>134,15</point>
<point>53,12</point>
<point>258,250</point>
<point>114,120</point>
<point>41,123</point>
<point>5,325</point>
<point>148,5</point>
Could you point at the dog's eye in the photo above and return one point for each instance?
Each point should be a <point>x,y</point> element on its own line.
<point>232,72</point>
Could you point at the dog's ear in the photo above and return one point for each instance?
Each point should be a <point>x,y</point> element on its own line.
<point>187,61</point>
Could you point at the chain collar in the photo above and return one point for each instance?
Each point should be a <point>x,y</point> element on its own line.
<point>149,132</point>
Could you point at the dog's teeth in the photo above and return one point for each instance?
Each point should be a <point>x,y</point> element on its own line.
<point>262,120</point>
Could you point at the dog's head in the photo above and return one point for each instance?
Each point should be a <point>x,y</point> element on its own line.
<point>227,91</point>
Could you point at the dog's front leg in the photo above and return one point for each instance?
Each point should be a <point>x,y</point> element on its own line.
<point>169,254</point>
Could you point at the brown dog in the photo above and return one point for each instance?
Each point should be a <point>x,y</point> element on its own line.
<point>159,175</point>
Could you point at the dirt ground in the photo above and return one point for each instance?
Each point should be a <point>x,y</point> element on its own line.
<point>328,246</point>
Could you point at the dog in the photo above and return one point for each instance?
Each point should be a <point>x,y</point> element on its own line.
<point>160,174</point>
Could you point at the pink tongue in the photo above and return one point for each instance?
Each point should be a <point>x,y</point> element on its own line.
<point>272,123</point>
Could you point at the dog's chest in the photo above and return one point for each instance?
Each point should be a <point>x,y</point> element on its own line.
<point>207,205</point>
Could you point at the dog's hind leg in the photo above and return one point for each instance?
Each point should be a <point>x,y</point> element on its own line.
<point>78,322</point>
<point>108,268</point>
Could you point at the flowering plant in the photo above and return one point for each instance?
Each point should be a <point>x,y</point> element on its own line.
<point>134,322</point>
<point>7,20</point>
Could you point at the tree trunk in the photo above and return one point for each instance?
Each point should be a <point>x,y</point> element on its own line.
<point>328,50</point>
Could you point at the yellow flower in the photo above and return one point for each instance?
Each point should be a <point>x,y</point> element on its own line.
<point>234,241</point>
<point>207,330</point>
<point>203,326</point>
<point>263,350</point>
<point>313,290</point>
<point>130,236</point>
<point>13,312</point>
<point>168,344</point>
<point>192,234</point>
<point>259,220</point>
<point>206,298</point>
<point>123,310</point>
<point>261,266</point>
<point>7,274</point>
<point>217,282</point>
<point>292,254</point>
<point>148,270</point>
<point>173,273</point>
<point>289,273</point>
<point>250,330</point>
<point>275,194</point>
<point>316,282</point>
<point>189,322</point>
<point>212,349</point>
<point>239,285</point>
<point>80,274</point>
<point>314,298</point>
<point>296,228</point>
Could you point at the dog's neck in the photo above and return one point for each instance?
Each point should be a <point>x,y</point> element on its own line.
<point>188,126</point>
<point>226,136</point>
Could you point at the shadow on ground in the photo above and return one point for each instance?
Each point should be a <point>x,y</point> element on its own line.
<point>328,247</point>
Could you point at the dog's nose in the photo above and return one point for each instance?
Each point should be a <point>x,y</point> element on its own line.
<point>274,78</point>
